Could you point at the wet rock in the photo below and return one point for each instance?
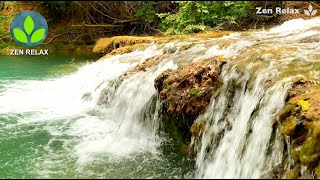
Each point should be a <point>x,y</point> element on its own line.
<point>317,171</point>
<point>106,45</point>
<point>186,47</point>
<point>300,86</point>
<point>186,92</point>
<point>169,48</point>
<point>274,173</point>
<point>197,128</point>
<point>148,63</point>
<point>300,120</point>
<point>311,39</point>
<point>293,173</point>
<point>87,96</point>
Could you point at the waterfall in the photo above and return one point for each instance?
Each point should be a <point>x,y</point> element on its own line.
<point>98,123</point>
<point>239,139</point>
<point>238,128</point>
<point>72,110</point>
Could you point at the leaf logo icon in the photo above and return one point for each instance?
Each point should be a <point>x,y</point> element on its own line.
<point>29,28</point>
<point>37,36</point>
<point>20,35</point>
<point>310,11</point>
<point>28,25</point>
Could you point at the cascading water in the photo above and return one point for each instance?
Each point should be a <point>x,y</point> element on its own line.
<point>94,123</point>
<point>239,140</point>
<point>239,124</point>
<point>78,138</point>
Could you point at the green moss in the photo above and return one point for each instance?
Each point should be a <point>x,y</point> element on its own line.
<point>169,87</point>
<point>310,152</point>
<point>292,173</point>
<point>286,112</point>
<point>295,152</point>
<point>194,91</point>
<point>173,130</point>
<point>289,125</point>
<point>317,171</point>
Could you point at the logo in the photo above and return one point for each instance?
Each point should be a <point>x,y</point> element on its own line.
<point>29,29</point>
<point>310,11</point>
<point>277,10</point>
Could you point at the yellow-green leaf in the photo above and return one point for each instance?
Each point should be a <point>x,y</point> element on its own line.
<point>38,35</point>
<point>304,104</point>
<point>20,35</point>
<point>28,25</point>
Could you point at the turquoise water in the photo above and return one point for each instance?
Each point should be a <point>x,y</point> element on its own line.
<point>39,140</point>
<point>39,67</point>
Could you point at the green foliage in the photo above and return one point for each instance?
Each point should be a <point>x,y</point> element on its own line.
<point>145,17</point>
<point>4,25</point>
<point>194,16</point>
<point>5,39</point>
<point>194,91</point>
<point>57,8</point>
<point>1,5</point>
<point>146,14</point>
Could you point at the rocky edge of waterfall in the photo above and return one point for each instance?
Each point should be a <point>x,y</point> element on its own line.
<point>300,122</point>
<point>186,92</point>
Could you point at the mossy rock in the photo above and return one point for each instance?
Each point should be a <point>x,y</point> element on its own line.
<point>310,152</point>
<point>197,127</point>
<point>194,91</point>
<point>317,171</point>
<point>174,129</point>
<point>295,154</point>
<point>105,45</point>
<point>300,120</point>
<point>289,125</point>
<point>292,173</point>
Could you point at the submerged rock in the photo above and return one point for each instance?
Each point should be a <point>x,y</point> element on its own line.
<point>148,63</point>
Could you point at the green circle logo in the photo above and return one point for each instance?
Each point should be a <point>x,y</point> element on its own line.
<point>29,29</point>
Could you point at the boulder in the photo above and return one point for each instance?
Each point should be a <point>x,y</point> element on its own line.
<point>186,92</point>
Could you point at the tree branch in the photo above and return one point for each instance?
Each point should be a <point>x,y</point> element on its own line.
<point>53,38</point>
<point>98,25</point>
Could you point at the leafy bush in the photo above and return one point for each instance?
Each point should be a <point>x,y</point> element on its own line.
<point>196,16</point>
<point>146,14</point>
<point>1,5</point>
<point>57,8</point>
<point>4,31</point>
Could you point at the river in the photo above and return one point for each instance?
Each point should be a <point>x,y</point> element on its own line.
<point>45,132</point>
<point>68,116</point>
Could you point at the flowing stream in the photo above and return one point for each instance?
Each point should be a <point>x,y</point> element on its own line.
<point>80,119</point>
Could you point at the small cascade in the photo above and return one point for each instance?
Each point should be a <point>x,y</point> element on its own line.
<point>239,139</point>
<point>238,127</point>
